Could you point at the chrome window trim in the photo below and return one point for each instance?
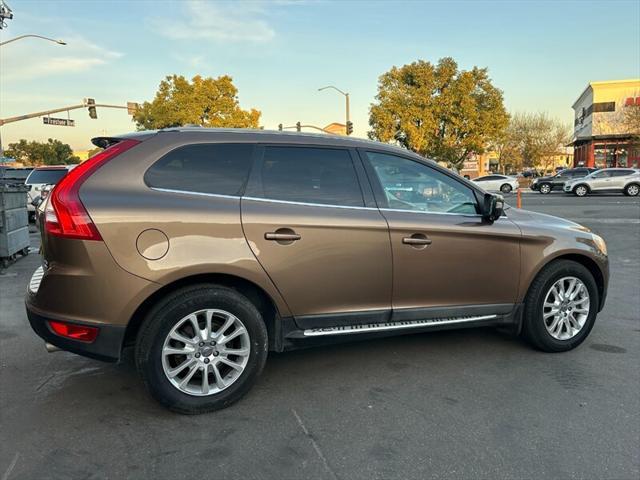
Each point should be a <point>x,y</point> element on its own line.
<point>431,213</point>
<point>189,192</point>
<point>307,204</point>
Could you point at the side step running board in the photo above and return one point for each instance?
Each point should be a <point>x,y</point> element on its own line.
<point>380,327</point>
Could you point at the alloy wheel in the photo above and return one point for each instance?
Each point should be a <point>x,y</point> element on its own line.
<point>545,188</point>
<point>581,191</point>
<point>206,352</point>
<point>633,190</point>
<point>566,308</point>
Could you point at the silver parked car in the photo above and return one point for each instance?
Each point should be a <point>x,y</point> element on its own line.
<point>625,180</point>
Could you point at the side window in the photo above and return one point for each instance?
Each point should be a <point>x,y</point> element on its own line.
<point>621,173</point>
<point>410,185</point>
<point>310,175</point>
<point>602,174</point>
<point>204,168</point>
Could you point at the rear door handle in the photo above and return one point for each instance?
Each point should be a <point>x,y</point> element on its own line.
<point>417,239</point>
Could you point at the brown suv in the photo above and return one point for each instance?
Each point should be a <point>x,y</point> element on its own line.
<point>205,249</point>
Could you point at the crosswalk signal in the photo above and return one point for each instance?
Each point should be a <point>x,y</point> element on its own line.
<point>92,109</point>
<point>298,127</point>
<point>280,126</point>
<point>349,128</point>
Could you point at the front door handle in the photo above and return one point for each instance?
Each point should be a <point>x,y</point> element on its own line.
<point>283,235</point>
<point>417,239</point>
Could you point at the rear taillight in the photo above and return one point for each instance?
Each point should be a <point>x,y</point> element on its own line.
<point>65,215</point>
<point>81,333</point>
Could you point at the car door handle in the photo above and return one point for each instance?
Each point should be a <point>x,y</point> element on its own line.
<point>416,239</point>
<point>282,237</point>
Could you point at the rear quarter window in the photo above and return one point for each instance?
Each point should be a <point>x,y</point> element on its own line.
<point>220,169</point>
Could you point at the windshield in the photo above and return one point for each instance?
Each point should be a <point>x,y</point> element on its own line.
<point>46,176</point>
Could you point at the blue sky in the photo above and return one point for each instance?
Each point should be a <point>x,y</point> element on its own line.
<point>541,54</point>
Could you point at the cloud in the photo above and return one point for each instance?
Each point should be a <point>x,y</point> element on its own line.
<point>33,59</point>
<point>236,22</point>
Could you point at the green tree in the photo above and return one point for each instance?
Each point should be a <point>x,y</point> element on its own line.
<point>210,102</point>
<point>438,110</point>
<point>537,138</point>
<point>51,152</point>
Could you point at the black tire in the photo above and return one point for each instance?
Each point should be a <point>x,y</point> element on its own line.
<point>506,188</point>
<point>545,188</point>
<point>581,191</point>
<point>161,319</point>
<point>632,190</point>
<point>534,329</point>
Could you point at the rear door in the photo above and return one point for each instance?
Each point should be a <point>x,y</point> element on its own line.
<point>619,178</point>
<point>310,219</point>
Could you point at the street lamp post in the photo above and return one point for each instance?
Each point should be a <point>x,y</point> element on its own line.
<point>59,42</point>
<point>346,96</point>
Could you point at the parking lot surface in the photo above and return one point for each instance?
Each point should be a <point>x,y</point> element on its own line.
<point>456,404</point>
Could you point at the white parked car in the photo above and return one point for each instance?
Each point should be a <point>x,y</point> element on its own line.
<point>41,176</point>
<point>497,183</point>
<point>625,180</point>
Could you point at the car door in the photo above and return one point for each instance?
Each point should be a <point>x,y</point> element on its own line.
<point>488,182</point>
<point>559,180</point>
<point>447,260</point>
<point>313,225</point>
<point>600,180</point>
<point>619,178</point>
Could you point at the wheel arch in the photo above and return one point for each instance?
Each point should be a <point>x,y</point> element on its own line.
<point>582,184</point>
<point>257,295</point>
<point>583,260</point>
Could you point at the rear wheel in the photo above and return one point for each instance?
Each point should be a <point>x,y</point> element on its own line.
<point>581,190</point>
<point>201,348</point>
<point>632,190</point>
<point>545,188</point>
<point>506,188</point>
<point>561,307</point>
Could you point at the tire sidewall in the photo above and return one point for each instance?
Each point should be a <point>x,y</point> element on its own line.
<point>163,319</point>
<point>580,188</point>
<point>506,188</point>
<point>536,324</point>
<point>627,190</point>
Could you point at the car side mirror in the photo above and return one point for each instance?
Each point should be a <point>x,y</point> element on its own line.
<point>493,207</point>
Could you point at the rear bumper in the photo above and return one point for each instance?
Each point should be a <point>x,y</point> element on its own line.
<point>106,347</point>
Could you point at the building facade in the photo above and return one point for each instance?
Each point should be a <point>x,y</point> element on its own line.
<point>600,137</point>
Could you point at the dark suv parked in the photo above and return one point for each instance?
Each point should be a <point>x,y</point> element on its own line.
<point>205,249</point>
<point>545,185</point>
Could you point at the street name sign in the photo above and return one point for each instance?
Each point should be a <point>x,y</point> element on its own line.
<point>61,122</point>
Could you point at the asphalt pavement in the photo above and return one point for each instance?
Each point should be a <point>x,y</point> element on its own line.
<point>473,404</point>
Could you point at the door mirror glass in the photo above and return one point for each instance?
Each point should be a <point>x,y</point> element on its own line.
<point>493,207</point>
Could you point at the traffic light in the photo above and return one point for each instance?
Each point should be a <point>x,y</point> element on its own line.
<point>280,126</point>
<point>349,128</point>
<point>92,109</point>
<point>298,127</point>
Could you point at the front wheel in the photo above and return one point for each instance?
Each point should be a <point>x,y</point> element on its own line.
<point>545,188</point>
<point>201,348</point>
<point>632,190</point>
<point>560,307</point>
<point>581,190</point>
